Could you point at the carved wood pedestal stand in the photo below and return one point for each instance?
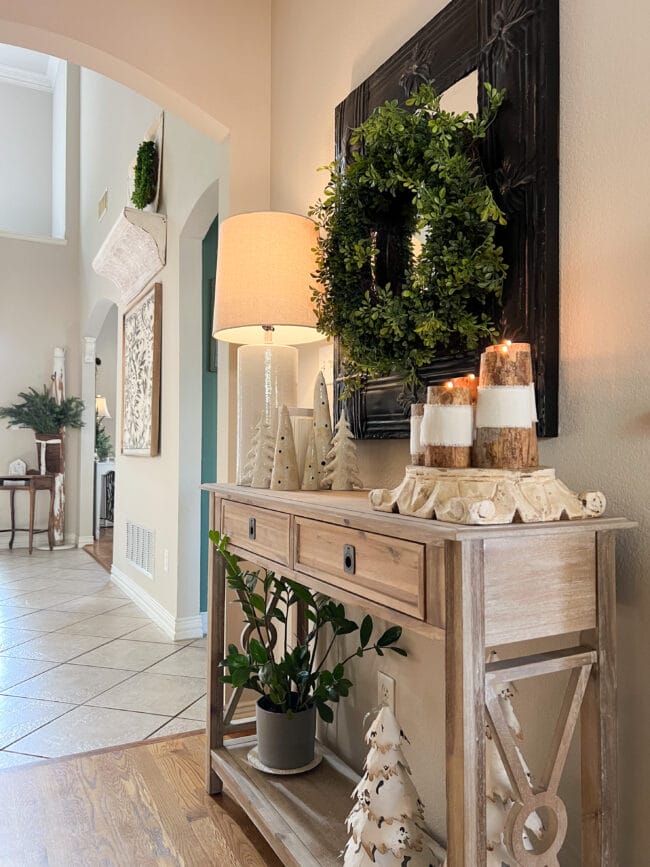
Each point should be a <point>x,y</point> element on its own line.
<point>472,587</point>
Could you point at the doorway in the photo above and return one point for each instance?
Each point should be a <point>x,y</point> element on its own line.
<point>209,397</point>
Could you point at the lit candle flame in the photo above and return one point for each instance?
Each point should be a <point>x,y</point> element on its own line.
<point>471,377</point>
<point>449,384</point>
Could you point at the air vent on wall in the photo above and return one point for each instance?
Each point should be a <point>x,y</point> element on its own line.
<point>140,547</point>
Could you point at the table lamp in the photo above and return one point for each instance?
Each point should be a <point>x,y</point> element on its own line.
<point>263,302</point>
<point>101,407</point>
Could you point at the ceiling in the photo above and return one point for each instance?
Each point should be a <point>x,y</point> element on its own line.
<point>27,68</point>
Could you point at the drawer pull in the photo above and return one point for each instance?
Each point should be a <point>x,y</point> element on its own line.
<point>251,529</point>
<point>349,559</point>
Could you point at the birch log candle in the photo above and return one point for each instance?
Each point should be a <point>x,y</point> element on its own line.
<point>447,426</point>
<point>417,449</point>
<point>506,432</point>
<point>470,381</point>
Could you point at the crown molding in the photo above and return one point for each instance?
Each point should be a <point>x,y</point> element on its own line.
<point>33,80</point>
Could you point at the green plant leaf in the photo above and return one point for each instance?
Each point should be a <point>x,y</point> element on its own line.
<point>366,630</point>
<point>325,712</point>
<point>390,636</point>
<point>257,651</point>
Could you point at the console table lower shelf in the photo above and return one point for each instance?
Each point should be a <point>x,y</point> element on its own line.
<point>301,817</point>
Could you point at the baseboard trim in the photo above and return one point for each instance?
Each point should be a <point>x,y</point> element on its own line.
<point>188,627</point>
<point>86,540</point>
<point>176,628</point>
<point>204,622</point>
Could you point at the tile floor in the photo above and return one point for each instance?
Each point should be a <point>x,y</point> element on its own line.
<point>81,667</point>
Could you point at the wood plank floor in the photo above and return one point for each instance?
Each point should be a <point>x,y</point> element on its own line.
<point>137,806</point>
<point>102,549</point>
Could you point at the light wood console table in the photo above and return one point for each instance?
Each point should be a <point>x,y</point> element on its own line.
<point>472,587</point>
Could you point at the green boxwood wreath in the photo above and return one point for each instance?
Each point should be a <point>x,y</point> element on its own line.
<point>418,174</point>
<point>146,175</point>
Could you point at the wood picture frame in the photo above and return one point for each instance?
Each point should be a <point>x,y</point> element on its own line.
<point>141,368</point>
<point>514,45</point>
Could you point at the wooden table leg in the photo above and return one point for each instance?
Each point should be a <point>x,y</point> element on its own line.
<point>12,506</point>
<point>216,642</point>
<point>32,503</point>
<point>465,700</point>
<point>598,722</point>
<point>50,519</point>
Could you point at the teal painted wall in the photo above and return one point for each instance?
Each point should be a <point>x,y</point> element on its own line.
<point>209,401</point>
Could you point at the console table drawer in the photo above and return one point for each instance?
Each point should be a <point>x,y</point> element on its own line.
<point>387,570</point>
<point>261,531</point>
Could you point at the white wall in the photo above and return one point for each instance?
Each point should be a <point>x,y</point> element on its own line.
<point>25,160</point>
<point>113,122</point>
<point>38,311</point>
<point>604,394</point>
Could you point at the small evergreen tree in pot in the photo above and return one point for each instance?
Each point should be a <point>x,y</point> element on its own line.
<point>39,411</point>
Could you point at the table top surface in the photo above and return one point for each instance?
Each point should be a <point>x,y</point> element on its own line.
<point>339,505</point>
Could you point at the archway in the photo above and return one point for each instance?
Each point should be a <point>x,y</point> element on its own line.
<point>198,66</point>
<point>91,332</point>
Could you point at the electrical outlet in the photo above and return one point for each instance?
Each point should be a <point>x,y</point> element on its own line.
<point>166,560</point>
<point>386,690</point>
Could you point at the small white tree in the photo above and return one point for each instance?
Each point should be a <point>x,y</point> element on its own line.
<point>284,476</point>
<point>310,470</point>
<point>262,460</point>
<point>249,466</point>
<point>322,427</point>
<point>342,467</point>
<point>385,823</point>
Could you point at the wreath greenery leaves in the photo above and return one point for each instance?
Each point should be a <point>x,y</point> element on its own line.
<point>146,175</point>
<point>414,174</point>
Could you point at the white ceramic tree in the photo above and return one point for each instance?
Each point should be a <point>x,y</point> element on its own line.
<point>322,427</point>
<point>263,457</point>
<point>310,470</point>
<point>284,476</point>
<point>499,790</point>
<point>385,822</point>
<point>342,467</point>
<point>249,466</point>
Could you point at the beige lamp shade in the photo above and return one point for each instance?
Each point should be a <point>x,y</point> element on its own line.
<point>101,407</point>
<point>264,267</point>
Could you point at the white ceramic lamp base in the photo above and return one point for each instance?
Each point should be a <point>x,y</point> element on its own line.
<point>267,377</point>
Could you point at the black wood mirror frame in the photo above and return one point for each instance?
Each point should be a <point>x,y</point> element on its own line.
<point>514,44</point>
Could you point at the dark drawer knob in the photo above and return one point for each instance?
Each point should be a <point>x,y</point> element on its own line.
<point>349,559</point>
<point>252,529</point>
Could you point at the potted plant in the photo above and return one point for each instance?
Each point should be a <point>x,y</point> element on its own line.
<point>39,411</point>
<point>146,175</point>
<point>407,259</point>
<point>103,444</point>
<point>293,682</point>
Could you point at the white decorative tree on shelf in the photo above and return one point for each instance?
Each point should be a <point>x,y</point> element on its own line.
<point>385,823</point>
<point>284,476</point>
<point>259,462</point>
<point>322,427</point>
<point>249,466</point>
<point>310,470</point>
<point>342,467</point>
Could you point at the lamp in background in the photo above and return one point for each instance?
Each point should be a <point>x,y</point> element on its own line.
<point>101,407</point>
<point>263,302</point>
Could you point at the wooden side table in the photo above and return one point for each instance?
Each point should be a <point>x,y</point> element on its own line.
<point>31,484</point>
<point>473,588</point>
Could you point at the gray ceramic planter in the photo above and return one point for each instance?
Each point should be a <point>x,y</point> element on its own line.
<point>282,742</point>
